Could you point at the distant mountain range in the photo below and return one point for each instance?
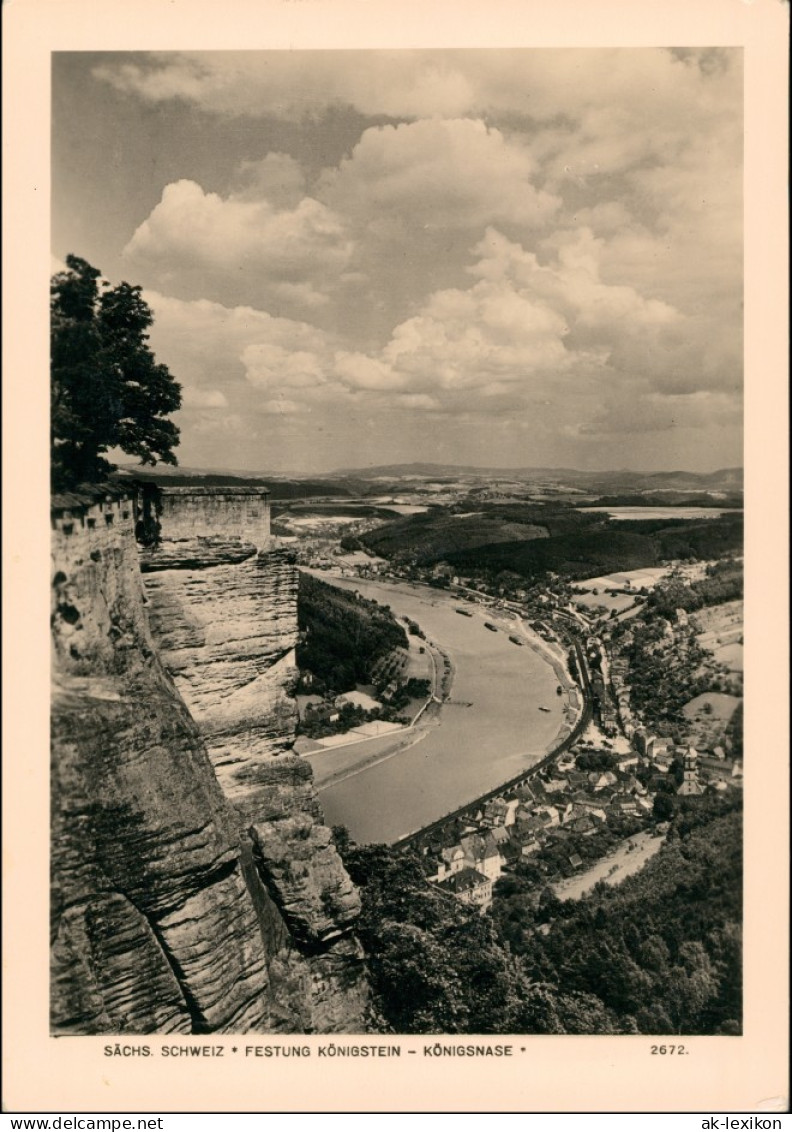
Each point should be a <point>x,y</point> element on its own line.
<point>723,479</point>
<point>727,480</point>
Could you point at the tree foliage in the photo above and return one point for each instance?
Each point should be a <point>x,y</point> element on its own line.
<point>107,389</point>
<point>342,635</point>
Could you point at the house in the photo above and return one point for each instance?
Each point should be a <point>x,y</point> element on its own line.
<point>631,785</point>
<point>713,768</point>
<point>523,814</point>
<point>495,812</point>
<point>528,840</point>
<point>532,825</point>
<point>451,861</point>
<point>511,852</point>
<point>556,785</point>
<point>575,860</point>
<point>470,886</point>
<point>624,804</point>
<point>511,811</point>
<point>624,762</point>
<point>500,835</point>
<point>482,853</point>
<point>577,808</point>
<point>600,779</point>
<point>318,711</point>
<point>584,825</point>
<point>578,780</point>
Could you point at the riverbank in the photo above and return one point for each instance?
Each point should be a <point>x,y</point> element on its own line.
<point>503,716</point>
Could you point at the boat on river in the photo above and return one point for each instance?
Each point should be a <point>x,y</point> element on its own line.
<point>547,709</point>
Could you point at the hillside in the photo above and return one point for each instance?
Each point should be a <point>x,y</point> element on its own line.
<point>532,539</point>
<point>437,533</point>
<point>342,636</point>
<point>662,951</point>
<point>615,546</point>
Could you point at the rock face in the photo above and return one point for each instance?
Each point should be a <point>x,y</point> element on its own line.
<point>166,915</point>
<point>226,629</point>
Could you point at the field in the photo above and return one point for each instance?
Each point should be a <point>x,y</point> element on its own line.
<point>721,631</point>
<point>708,716</point>
<point>628,858</point>
<point>596,589</point>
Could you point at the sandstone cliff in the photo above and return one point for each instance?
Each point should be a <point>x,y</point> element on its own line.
<point>178,905</point>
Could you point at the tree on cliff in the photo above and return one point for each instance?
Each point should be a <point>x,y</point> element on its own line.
<point>107,389</point>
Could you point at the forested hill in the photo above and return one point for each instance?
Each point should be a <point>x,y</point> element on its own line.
<point>342,636</point>
<point>614,546</point>
<point>433,535</point>
<point>531,539</point>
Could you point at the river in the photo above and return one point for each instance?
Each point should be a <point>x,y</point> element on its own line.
<point>490,730</point>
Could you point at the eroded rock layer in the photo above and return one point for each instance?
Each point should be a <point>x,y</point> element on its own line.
<point>162,921</point>
<point>226,630</point>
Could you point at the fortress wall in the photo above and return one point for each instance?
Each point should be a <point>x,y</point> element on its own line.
<point>238,512</point>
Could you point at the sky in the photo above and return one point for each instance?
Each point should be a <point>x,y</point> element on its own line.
<point>499,257</point>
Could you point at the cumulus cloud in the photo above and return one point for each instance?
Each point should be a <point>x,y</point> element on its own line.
<point>438,173</point>
<point>194,242</point>
<point>205,343</point>
<point>359,371</point>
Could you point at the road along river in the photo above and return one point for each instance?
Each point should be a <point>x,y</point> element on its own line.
<point>490,729</point>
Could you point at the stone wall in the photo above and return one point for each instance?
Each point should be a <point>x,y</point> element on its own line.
<point>169,913</point>
<point>238,512</point>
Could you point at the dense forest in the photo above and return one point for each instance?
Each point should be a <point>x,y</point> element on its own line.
<point>613,546</point>
<point>659,954</point>
<point>719,501</point>
<point>435,534</point>
<point>342,636</point>
<point>531,539</point>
